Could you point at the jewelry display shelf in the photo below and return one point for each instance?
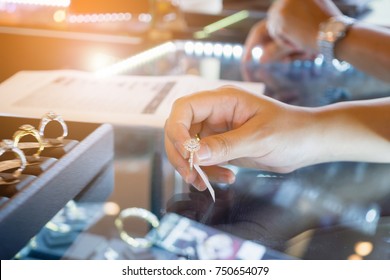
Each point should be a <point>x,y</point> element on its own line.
<point>84,171</point>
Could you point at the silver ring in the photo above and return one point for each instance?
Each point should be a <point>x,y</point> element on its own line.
<point>49,117</point>
<point>9,145</point>
<point>138,213</point>
<point>192,145</point>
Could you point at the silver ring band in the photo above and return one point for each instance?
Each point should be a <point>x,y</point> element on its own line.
<point>9,145</point>
<point>49,117</point>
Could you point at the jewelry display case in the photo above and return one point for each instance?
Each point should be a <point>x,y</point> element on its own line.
<point>81,168</point>
<point>326,211</point>
<point>68,200</point>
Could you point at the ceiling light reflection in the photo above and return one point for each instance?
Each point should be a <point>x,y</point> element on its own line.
<point>93,18</point>
<point>237,51</point>
<point>208,49</point>
<point>189,47</point>
<point>136,60</point>
<point>227,50</point>
<point>354,257</point>
<point>59,16</point>
<point>363,248</point>
<point>213,49</point>
<point>111,208</point>
<point>98,60</point>
<point>218,49</point>
<point>199,48</point>
<point>51,3</point>
<point>257,53</point>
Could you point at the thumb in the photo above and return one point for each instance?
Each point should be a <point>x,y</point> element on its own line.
<point>221,148</point>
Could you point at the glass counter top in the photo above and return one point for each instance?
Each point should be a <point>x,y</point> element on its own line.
<point>328,211</point>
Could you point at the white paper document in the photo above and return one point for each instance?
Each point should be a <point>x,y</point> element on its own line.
<point>82,96</point>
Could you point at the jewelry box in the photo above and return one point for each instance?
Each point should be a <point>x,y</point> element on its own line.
<point>82,169</point>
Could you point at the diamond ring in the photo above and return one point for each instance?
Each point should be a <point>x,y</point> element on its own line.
<point>136,213</point>
<point>49,117</point>
<point>25,130</point>
<point>9,145</point>
<point>192,145</point>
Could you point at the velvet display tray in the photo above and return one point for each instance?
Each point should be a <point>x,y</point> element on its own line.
<point>75,173</point>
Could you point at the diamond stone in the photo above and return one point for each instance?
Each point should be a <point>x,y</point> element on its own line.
<point>192,145</point>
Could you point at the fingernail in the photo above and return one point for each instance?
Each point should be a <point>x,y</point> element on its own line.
<point>183,173</point>
<point>232,179</point>
<point>199,187</point>
<point>179,147</point>
<point>227,178</point>
<point>204,153</point>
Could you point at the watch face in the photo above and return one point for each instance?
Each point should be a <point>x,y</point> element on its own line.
<point>336,27</point>
<point>333,30</point>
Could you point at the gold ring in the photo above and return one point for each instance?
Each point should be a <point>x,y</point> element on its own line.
<point>8,145</point>
<point>138,213</point>
<point>27,129</point>
<point>49,117</point>
<point>192,145</point>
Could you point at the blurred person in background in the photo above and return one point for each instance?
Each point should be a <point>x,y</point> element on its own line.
<point>303,29</point>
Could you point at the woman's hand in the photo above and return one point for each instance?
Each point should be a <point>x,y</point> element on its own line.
<point>239,128</point>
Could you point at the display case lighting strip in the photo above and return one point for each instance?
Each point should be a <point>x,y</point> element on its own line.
<point>136,60</point>
<point>92,18</point>
<point>218,50</point>
<point>108,17</point>
<point>51,3</point>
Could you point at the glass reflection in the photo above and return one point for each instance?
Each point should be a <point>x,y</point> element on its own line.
<point>309,208</point>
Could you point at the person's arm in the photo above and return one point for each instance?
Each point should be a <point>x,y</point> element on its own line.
<point>367,48</point>
<point>355,130</point>
<point>260,132</point>
<point>293,26</point>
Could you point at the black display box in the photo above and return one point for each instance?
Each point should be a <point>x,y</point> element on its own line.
<point>74,175</point>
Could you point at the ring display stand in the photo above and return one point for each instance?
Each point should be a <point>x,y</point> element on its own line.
<point>64,173</point>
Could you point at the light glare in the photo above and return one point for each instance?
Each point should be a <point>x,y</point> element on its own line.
<point>51,3</point>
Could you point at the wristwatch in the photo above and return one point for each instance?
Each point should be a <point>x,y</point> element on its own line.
<point>330,32</point>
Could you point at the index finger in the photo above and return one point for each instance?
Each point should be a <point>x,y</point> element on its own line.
<point>185,113</point>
